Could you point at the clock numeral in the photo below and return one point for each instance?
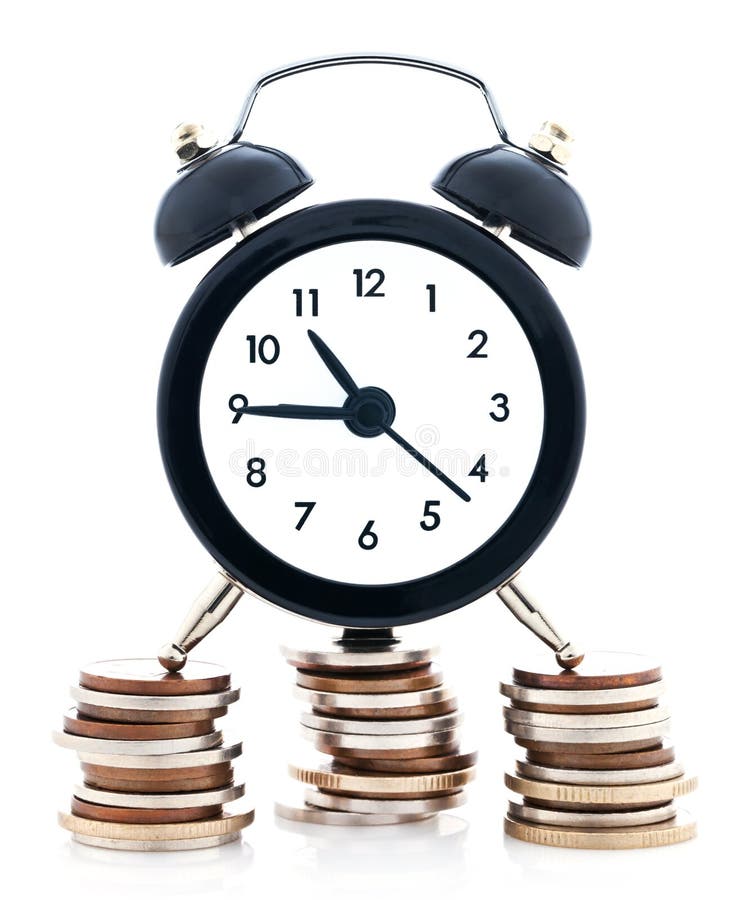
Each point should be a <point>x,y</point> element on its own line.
<point>479,470</point>
<point>475,352</point>
<point>430,514</point>
<point>267,349</point>
<point>308,506</point>
<point>431,288</point>
<point>237,404</point>
<point>257,476</point>
<point>502,412</point>
<point>313,293</point>
<point>368,539</point>
<point>374,289</point>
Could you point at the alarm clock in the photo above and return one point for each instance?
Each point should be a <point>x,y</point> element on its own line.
<point>370,412</point>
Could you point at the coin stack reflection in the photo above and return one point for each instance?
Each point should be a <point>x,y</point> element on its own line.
<point>156,772</point>
<point>389,729</point>
<point>599,771</point>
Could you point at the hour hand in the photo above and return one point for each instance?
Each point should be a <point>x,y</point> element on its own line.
<point>295,411</point>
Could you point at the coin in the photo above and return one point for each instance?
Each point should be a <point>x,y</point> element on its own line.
<point>605,747</point>
<point>601,670</point>
<point>160,801</point>
<point>400,712</point>
<point>146,846</point>
<point>602,795</point>
<point>530,813</point>
<point>379,741</point>
<point>635,759</point>
<point>350,656</point>
<point>589,735</point>
<point>584,701</point>
<point>215,770</point>
<point>74,723</point>
<point>335,778</point>
<point>169,761</point>
<point>594,776</point>
<point>343,803</point>
<point>224,824</point>
<point>415,753</point>
<point>150,716</point>
<point>146,676</point>
<point>136,748</point>
<point>462,759</point>
<point>381,726</point>
<point>133,786</point>
<point>142,816</point>
<point>150,702</point>
<point>595,721</point>
<point>312,815</point>
<point>681,828</point>
<point>373,701</point>
<point>421,679</point>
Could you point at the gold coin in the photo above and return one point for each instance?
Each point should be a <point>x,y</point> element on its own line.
<point>600,670</point>
<point>335,778</point>
<point>450,762</point>
<point>661,834</point>
<point>224,824</point>
<point>421,679</point>
<point>146,676</point>
<point>602,795</point>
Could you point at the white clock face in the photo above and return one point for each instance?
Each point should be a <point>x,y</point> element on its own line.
<point>441,412</point>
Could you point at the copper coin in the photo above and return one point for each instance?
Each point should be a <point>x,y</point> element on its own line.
<point>600,670</point>
<point>398,712</point>
<point>635,759</point>
<point>606,747</point>
<point>141,816</point>
<point>636,706</point>
<point>421,679</point>
<point>149,716</point>
<point>451,762</point>
<point>415,754</point>
<point>146,676</point>
<point>75,723</point>
<point>565,806</point>
<point>215,770</point>
<point>133,786</point>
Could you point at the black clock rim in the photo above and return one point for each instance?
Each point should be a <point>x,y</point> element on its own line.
<point>277,581</point>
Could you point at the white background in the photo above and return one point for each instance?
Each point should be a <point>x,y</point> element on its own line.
<point>99,563</point>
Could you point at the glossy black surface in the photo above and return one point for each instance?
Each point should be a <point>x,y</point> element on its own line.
<point>242,183</point>
<point>501,186</point>
<point>179,426</point>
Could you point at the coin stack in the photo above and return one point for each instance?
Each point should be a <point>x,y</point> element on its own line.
<point>156,771</point>
<point>390,729</point>
<point>598,772</point>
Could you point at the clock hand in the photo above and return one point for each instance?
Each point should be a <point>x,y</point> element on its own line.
<point>426,463</point>
<point>295,411</point>
<point>333,365</point>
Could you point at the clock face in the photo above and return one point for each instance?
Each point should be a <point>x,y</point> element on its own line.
<point>430,425</point>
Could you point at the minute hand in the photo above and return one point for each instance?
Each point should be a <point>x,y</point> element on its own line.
<point>426,463</point>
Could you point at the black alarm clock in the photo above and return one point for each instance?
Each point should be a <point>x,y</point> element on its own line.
<point>371,412</point>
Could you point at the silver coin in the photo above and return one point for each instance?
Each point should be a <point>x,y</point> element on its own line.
<point>314,816</point>
<point>426,806</point>
<point>568,720</point>
<point>599,776</point>
<point>373,701</point>
<point>138,748</point>
<point>528,813</point>
<point>379,741</point>
<point>614,697</point>
<point>217,840</point>
<point>168,761</point>
<point>139,701</point>
<point>348,656</point>
<point>381,726</point>
<point>589,735</point>
<point>160,801</point>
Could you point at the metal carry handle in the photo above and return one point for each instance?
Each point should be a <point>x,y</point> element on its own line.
<point>351,59</point>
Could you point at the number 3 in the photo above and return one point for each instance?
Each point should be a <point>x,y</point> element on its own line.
<point>502,413</point>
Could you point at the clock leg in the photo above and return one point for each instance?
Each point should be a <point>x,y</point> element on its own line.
<point>528,611</point>
<point>209,609</point>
